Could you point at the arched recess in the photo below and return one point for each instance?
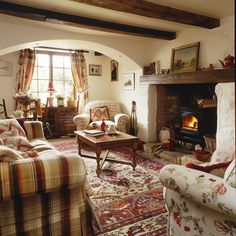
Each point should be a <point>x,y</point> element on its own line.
<point>79,45</point>
<point>141,94</point>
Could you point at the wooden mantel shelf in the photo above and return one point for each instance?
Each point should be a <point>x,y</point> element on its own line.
<point>197,77</point>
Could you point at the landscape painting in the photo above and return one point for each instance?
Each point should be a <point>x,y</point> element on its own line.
<point>185,58</point>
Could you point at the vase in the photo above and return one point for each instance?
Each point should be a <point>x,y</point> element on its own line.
<point>60,102</point>
<point>26,110</point>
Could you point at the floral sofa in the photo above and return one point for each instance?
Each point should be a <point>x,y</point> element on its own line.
<point>113,115</point>
<point>42,192</point>
<point>202,201</point>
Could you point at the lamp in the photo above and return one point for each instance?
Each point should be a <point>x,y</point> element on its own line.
<point>51,90</point>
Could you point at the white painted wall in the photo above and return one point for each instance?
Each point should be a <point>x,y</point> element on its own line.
<point>132,54</point>
<point>215,44</point>
<point>8,83</point>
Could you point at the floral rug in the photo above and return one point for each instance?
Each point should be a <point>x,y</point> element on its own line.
<point>124,202</point>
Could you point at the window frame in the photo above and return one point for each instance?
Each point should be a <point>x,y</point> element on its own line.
<point>50,79</point>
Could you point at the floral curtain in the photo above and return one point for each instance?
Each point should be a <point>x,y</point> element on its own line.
<point>80,78</point>
<point>25,70</point>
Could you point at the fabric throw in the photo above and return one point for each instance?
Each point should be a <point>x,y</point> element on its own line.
<point>99,113</point>
<point>11,124</point>
<point>217,169</point>
<point>8,155</point>
<point>13,140</point>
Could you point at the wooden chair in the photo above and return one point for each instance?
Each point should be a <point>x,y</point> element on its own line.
<point>3,109</point>
<point>46,125</point>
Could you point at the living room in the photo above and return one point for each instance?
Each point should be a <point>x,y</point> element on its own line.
<point>131,52</point>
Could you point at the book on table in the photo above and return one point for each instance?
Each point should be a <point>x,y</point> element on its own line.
<point>93,132</point>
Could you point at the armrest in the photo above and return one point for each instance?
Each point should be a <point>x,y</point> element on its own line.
<point>81,121</point>
<point>205,189</point>
<point>121,121</point>
<point>50,173</point>
<point>34,130</point>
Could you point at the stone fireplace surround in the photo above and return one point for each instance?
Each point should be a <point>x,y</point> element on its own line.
<point>166,92</point>
<point>170,97</point>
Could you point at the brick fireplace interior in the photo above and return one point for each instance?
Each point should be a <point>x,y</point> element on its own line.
<point>172,100</point>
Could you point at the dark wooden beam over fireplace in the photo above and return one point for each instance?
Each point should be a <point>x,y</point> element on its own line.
<point>149,9</point>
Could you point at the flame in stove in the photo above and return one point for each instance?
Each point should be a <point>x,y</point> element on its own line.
<point>190,122</point>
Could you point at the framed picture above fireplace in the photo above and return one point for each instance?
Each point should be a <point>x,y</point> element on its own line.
<point>185,58</point>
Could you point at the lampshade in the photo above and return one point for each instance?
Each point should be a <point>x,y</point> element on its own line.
<point>51,87</point>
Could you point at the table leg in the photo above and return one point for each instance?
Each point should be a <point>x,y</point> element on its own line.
<point>134,148</point>
<point>79,145</point>
<point>98,153</point>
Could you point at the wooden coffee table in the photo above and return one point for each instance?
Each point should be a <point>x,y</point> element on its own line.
<point>106,142</point>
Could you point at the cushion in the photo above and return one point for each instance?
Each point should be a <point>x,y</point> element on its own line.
<point>221,156</point>
<point>230,174</point>
<point>99,113</point>
<point>14,141</point>
<point>217,169</point>
<point>8,154</point>
<point>11,124</point>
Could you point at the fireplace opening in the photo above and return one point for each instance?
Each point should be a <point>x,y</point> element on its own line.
<point>197,122</point>
<point>190,122</point>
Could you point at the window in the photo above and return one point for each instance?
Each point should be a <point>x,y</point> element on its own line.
<point>51,66</point>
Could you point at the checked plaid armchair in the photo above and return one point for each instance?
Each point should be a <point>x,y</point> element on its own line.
<point>43,195</point>
<point>116,117</point>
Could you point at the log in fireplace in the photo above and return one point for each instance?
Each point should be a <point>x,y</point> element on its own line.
<point>197,122</point>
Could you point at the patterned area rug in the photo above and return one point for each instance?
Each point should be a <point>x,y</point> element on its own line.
<point>124,202</point>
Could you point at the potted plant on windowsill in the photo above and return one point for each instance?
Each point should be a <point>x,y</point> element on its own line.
<point>70,101</point>
<point>60,100</point>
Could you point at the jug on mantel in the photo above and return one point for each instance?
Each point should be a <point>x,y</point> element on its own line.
<point>228,62</point>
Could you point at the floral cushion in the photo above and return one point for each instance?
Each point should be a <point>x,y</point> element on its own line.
<point>99,113</point>
<point>11,124</point>
<point>217,169</point>
<point>15,141</point>
<point>230,174</point>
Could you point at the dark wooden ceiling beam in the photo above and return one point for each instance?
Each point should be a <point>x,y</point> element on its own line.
<point>82,22</point>
<point>149,9</point>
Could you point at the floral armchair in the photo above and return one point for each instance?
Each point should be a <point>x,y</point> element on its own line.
<point>199,203</point>
<point>116,117</point>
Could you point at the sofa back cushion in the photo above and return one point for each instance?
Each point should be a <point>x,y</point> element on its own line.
<point>230,174</point>
<point>113,107</point>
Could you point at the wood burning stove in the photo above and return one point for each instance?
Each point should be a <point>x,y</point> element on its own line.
<point>196,122</point>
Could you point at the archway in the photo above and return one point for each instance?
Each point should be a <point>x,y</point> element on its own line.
<point>79,45</point>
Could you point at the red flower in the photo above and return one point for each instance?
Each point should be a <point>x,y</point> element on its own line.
<point>220,189</point>
<point>186,228</point>
<point>177,218</point>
